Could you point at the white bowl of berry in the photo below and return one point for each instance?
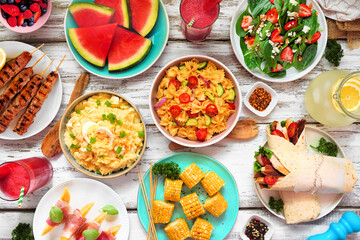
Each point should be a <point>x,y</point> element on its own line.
<point>24,16</point>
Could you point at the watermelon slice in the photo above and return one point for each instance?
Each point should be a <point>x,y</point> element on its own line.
<point>87,14</point>
<point>127,49</point>
<point>144,14</point>
<point>93,43</point>
<point>121,11</point>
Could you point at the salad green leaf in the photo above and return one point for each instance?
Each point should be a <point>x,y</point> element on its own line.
<point>264,152</point>
<point>308,56</point>
<point>257,166</point>
<point>262,7</point>
<point>312,23</point>
<point>239,30</point>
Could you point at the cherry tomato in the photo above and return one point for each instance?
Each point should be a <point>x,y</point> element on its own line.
<point>175,110</point>
<point>184,98</point>
<point>232,106</point>
<point>246,21</point>
<point>277,133</point>
<point>201,134</point>
<point>193,81</point>
<point>291,129</point>
<point>276,37</point>
<point>315,37</point>
<point>278,68</point>
<point>287,54</point>
<point>176,83</point>
<point>304,11</point>
<point>265,160</point>
<point>211,110</point>
<point>250,42</point>
<point>272,15</point>
<point>191,115</point>
<point>271,180</point>
<point>291,25</point>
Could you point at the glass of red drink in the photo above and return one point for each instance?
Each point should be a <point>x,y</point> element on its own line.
<point>203,18</point>
<point>30,173</point>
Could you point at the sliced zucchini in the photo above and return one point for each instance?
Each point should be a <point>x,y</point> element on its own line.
<point>182,67</point>
<point>202,65</point>
<point>210,96</point>
<point>207,119</point>
<point>184,83</point>
<point>232,94</point>
<point>219,90</point>
<point>191,122</point>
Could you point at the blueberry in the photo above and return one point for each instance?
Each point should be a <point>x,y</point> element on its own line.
<point>3,2</point>
<point>4,14</point>
<point>43,11</point>
<point>23,8</point>
<point>45,1</point>
<point>25,24</point>
<point>32,18</point>
<point>30,23</point>
<point>10,1</point>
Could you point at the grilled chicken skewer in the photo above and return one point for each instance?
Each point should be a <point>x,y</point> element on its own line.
<point>18,83</point>
<point>14,66</point>
<point>29,115</point>
<point>20,101</point>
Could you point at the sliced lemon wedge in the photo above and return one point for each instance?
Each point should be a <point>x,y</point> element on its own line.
<point>349,95</point>
<point>2,58</point>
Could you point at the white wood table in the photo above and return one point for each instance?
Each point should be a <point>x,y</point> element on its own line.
<point>236,155</point>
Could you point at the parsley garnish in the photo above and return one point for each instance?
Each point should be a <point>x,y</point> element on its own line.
<point>98,102</point>
<point>23,231</point>
<point>333,52</point>
<point>118,150</point>
<point>276,205</point>
<point>111,117</point>
<point>107,103</point>
<point>73,146</point>
<point>123,134</point>
<point>119,122</point>
<point>92,140</point>
<point>141,134</point>
<point>72,135</point>
<point>78,111</point>
<point>121,156</point>
<point>98,172</point>
<point>328,148</point>
<point>104,116</point>
<point>264,152</point>
<point>283,123</point>
<point>88,148</point>
<point>101,156</point>
<point>167,169</point>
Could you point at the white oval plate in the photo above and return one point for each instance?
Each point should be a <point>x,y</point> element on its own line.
<point>328,202</point>
<point>291,74</point>
<point>51,105</point>
<point>82,191</point>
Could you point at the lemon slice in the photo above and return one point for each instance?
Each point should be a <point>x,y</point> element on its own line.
<point>2,58</point>
<point>349,95</point>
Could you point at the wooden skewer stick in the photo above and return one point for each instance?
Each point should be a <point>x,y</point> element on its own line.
<point>46,68</point>
<point>39,60</point>
<point>60,63</point>
<point>153,198</point>
<point>151,194</point>
<point>36,49</point>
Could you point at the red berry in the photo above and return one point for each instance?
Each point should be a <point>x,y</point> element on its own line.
<point>20,19</point>
<point>37,16</point>
<point>11,9</point>
<point>28,14</point>
<point>42,4</point>
<point>12,21</point>
<point>36,0</point>
<point>35,7</point>
<point>17,1</point>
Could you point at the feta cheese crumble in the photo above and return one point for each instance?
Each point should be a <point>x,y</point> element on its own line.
<point>294,2</point>
<point>306,29</point>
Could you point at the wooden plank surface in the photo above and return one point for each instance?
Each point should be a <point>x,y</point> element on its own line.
<point>236,155</point>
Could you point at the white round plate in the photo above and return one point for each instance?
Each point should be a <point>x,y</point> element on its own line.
<point>51,105</point>
<point>328,202</point>
<point>82,191</point>
<point>291,74</point>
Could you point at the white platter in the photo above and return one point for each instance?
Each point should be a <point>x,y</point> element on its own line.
<point>291,74</point>
<point>51,105</point>
<point>328,202</point>
<point>82,191</point>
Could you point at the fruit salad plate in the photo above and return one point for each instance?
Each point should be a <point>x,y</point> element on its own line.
<point>53,102</point>
<point>158,36</point>
<point>80,196</point>
<point>224,223</point>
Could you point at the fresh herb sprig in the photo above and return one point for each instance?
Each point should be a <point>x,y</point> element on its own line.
<point>276,205</point>
<point>23,231</point>
<point>328,148</point>
<point>167,169</point>
<point>333,52</point>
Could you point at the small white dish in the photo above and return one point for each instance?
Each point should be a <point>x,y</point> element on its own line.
<point>268,234</point>
<point>273,102</point>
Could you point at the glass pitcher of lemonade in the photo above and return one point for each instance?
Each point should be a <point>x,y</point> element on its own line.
<point>333,98</point>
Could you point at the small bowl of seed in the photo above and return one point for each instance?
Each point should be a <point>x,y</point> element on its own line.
<point>261,99</point>
<point>257,228</point>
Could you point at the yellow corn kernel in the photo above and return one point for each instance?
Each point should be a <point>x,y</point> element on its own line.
<point>216,204</point>
<point>162,211</point>
<point>172,189</point>
<point>192,175</point>
<point>201,230</point>
<point>177,230</point>
<point>212,183</point>
<point>192,206</point>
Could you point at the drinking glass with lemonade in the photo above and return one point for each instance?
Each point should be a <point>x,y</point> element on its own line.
<point>333,98</point>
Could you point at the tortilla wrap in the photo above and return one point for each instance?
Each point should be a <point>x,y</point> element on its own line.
<point>316,174</point>
<point>280,144</point>
<point>300,207</point>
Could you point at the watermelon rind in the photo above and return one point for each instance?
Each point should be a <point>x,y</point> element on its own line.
<point>125,12</point>
<point>151,19</point>
<point>121,15</point>
<point>135,59</point>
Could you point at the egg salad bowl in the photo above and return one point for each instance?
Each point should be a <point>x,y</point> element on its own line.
<point>102,134</point>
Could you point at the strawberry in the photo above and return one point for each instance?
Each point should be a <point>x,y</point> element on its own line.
<point>12,21</point>
<point>272,15</point>
<point>11,9</point>
<point>315,37</point>
<point>291,25</point>
<point>37,16</point>
<point>21,19</point>
<point>287,54</point>
<point>250,42</point>
<point>17,1</point>
<point>42,4</point>
<point>246,21</point>
<point>28,14</point>
<point>278,68</point>
<point>276,37</point>
<point>35,7</point>
<point>304,11</point>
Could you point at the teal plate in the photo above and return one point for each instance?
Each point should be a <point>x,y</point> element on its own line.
<point>158,35</point>
<point>223,224</point>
